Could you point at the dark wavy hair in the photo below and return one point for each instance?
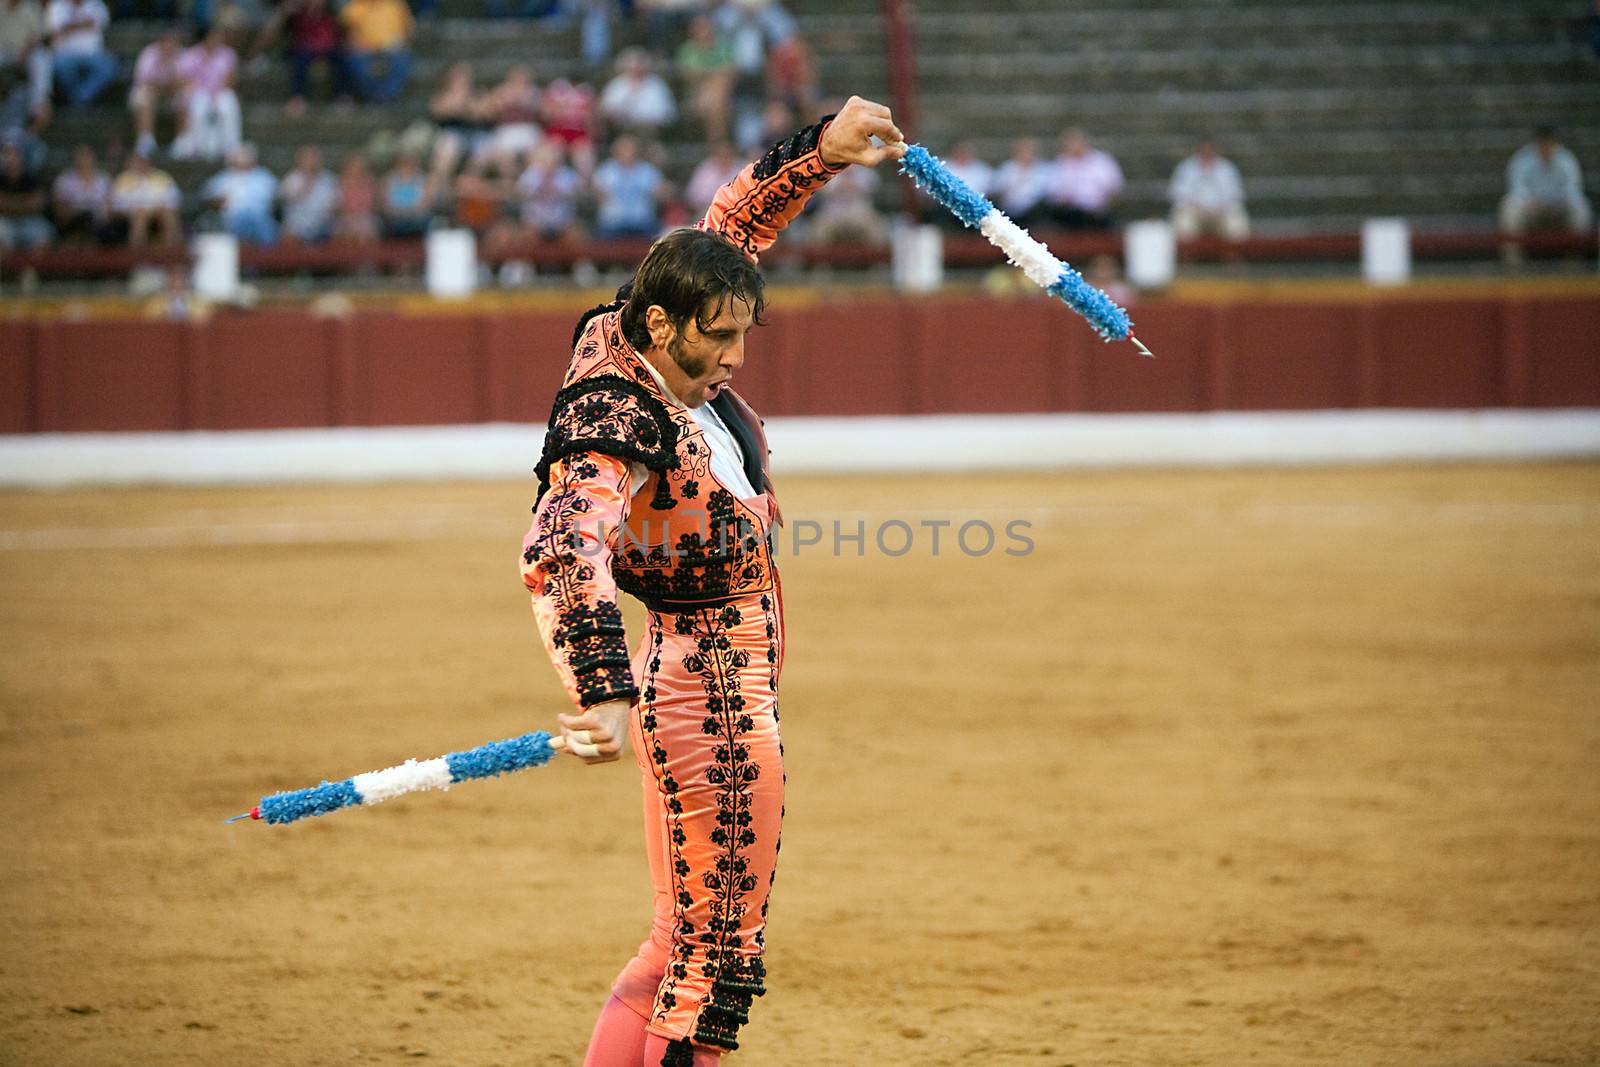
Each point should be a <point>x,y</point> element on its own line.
<point>691,274</point>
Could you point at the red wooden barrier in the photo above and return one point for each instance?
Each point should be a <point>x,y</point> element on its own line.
<point>847,356</point>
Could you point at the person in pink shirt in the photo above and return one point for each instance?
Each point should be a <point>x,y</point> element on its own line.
<point>157,82</point>
<point>1084,184</point>
<point>214,124</point>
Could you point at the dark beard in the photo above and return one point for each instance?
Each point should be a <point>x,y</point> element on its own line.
<point>694,368</point>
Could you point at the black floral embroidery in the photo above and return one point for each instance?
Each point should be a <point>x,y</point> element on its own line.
<point>680,1053</point>
<point>590,633</point>
<point>793,147</point>
<point>611,415</point>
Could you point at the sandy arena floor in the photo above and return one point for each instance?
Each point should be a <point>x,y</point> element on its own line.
<point>1248,767</point>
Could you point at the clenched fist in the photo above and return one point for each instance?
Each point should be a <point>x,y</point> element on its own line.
<point>597,735</point>
<point>848,138</point>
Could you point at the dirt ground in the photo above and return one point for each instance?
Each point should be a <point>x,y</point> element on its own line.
<point>1232,767</point>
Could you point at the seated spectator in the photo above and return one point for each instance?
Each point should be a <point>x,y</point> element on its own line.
<point>751,27</point>
<point>964,163</point>
<point>83,67</point>
<point>310,198</point>
<point>547,191</point>
<point>567,111</point>
<point>481,191</point>
<point>460,122</point>
<point>81,198</point>
<point>23,53</point>
<point>357,218</point>
<point>145,200</point>
<point>22,220</point>
<point>378,33</point>
<point>406,199</point>
<point>844,212</point>
<point>628,190</point>
<point>1020,183</point>
<point>212,130</point>
<point>245,191</point>
<point>705,67</point>
<point>755,133</point>
<point>792,74</point>
<point>1083,184</point>
<point>314,37</point>
<point>637,99</point>
<point>512,108</point>
<point>157,83</point>
<point>1544,188</point>
<point>1207,196</point>
<point>716,170</point>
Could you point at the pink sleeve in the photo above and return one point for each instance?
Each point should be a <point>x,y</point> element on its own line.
<point>566,567</point>
<point>763,198</point>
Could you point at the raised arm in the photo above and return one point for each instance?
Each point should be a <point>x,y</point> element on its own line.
<point>753,208</point>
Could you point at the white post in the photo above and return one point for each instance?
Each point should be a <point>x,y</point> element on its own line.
<point>916,258</point>
<point>216,266</point>
<point>452,263</point>
<point>1386,251</point>
<point>1151,251</point>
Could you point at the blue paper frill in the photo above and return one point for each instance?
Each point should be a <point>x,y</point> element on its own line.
<point>935,179</point>
<point>300,803</point>
<point>500,757</point>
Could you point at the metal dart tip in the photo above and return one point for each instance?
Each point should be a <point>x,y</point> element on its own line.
<point>1143,351</point>
<point>236,818</point>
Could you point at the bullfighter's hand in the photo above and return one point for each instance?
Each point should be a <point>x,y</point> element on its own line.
<point>848,138</point>
<point>597,735</point>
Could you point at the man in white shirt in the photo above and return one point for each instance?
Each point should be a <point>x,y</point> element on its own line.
<point>1544,187</point>
<point>83,67</point>
<point>1207,196</point>
<point>1020,183</point>
<point>637,99</point>
<point>22,48</point>
<point>1084,184</point>
<point>246,192</point>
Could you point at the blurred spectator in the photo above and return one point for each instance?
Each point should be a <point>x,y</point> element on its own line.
<point>81,198</point>
<point>460,123</point>
<point>22,194</point>
<point>751,28</point>
<point>357,220</point>
<point>481,191</point>
<point>157,83</point>
<point>715,171</point>
<point>310,197</point>
<point>23,51</point>
<point>1207,196</point>
<point>1544,188</point>
<point>792,74</point>
<point>83,67</point>
<point>1020,183</point>
<point>775,122</point>
<point>629,189</point>
<point>844,212</point>
<point>568,114</point>
<point>212,129</point>
<point>1084,181</point>
<point>246,192</point>
<point>637,99</point>
<point>965,164</point>
<point>705,67</point>
<point>548,194</point>
<point>144,200</point>
<point>378,33</point>
<point>406,199</point>
<point>512,108</point>
<point>314,36</point>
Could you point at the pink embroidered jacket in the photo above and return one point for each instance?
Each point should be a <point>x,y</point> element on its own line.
<point>627,500</point>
